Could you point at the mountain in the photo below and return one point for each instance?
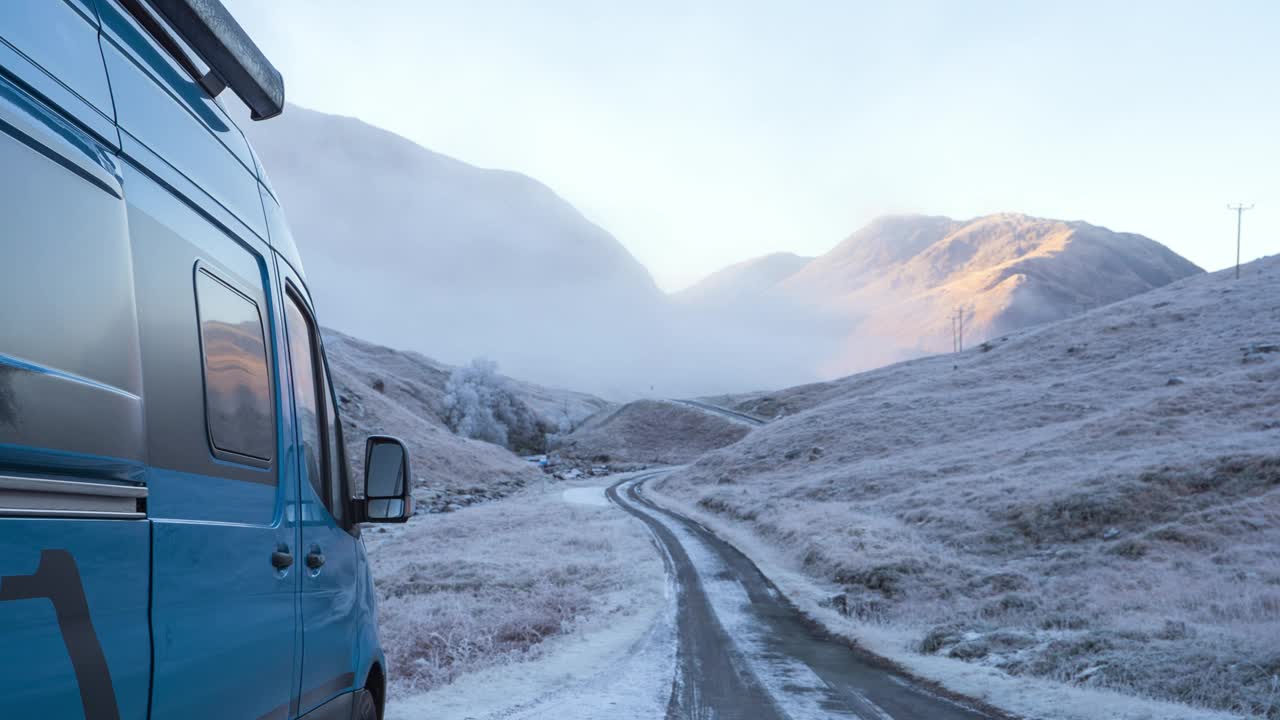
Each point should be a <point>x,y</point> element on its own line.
<point>411,248</point>
<point>886,242</point>
<point>890,290</point>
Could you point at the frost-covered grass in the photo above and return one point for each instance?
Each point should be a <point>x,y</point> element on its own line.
<point>488,584</point>
<point>651,431</point>
<point>1095,501</point>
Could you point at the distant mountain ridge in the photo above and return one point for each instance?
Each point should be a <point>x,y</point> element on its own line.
<point>895,284</point>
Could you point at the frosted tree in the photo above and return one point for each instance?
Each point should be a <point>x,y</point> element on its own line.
<point>478,404</point>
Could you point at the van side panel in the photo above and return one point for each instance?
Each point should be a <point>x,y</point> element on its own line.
<point>73,615</point>
<point>69,369</point>
<point>224,619</point>
<point>169,238</point>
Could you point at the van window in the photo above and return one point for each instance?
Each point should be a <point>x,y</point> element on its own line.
<point>237,388</point>
<point>306,400</point>
<point>337,476</point>
<point>317,421</point>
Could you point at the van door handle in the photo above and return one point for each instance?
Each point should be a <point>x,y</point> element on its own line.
<point>315,559</point>
<point>281,558</point>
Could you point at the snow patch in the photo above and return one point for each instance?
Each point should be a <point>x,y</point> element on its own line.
<point>590,495</point>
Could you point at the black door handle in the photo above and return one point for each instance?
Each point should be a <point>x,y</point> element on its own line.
<point>315,559</point>
<point>281,558</point>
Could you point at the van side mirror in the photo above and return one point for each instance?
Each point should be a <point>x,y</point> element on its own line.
<point>387,483</point>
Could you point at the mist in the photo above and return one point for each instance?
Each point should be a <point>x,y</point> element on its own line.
<point>415,250</point>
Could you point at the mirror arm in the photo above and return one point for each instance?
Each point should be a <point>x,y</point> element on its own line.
<point>359,510</point>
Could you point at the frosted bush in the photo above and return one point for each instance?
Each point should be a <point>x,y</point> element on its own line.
<point>479,404</point>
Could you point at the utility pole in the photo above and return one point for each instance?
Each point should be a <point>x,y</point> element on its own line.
<point>1240,208</point>
<point>957,331</point>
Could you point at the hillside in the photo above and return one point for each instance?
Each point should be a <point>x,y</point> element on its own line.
<point>386,391</point>
<point>1095,500</point>
<point>415,249</point>
<point>651,431</point>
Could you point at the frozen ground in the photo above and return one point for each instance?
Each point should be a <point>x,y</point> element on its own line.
<point>1092,504</point>
<point>715,640</point>
<point>492,586</point>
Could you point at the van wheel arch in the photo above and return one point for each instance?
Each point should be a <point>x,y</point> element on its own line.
<point>376,684</point>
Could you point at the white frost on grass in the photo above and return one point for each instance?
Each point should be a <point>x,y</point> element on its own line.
<point>590,495</point>
<point>624,667</point>
<point>1029,698</point>
<point>490,587</point>
<point>652,431</point>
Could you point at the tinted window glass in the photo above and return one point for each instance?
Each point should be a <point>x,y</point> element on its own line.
<point>337,474</point>
<point>237,388</point>
<point>305,397</point>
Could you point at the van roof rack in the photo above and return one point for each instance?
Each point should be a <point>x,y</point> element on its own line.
<point>234,60</point>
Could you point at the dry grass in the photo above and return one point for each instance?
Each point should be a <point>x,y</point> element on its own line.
<point>651,431</point>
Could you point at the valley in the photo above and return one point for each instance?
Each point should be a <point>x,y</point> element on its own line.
<point>937,513</point>
<point>1074,513</point>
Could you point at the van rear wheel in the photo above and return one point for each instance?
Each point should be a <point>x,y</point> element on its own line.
<point>366,708</point>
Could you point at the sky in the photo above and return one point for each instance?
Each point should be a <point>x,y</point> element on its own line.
<point>705,133</point>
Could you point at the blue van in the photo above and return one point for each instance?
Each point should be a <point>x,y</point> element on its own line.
<point>179,537</point>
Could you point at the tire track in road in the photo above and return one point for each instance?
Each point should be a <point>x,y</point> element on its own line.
<point>712,680</point>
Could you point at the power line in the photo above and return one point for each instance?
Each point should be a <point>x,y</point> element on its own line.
<point>1240,208</point>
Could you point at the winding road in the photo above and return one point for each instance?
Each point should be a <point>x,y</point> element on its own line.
<point>744,652</point>
<point>724,412</point>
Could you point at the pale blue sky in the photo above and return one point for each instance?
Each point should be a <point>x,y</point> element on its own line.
<point>703,133</point>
